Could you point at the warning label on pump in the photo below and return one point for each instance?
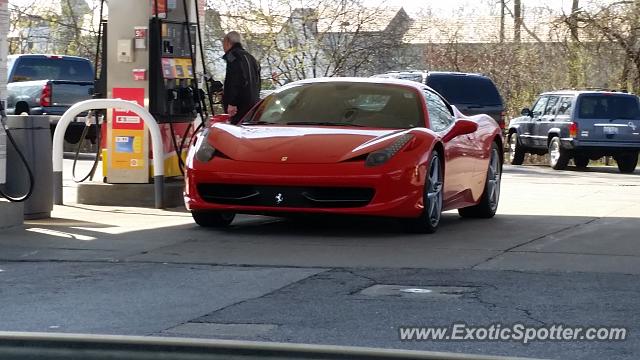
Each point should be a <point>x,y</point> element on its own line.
<point>128,119</point>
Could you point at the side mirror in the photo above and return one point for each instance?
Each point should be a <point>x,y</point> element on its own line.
<point>526,112</point>
<point>220,118</point>
<point>461,127</point>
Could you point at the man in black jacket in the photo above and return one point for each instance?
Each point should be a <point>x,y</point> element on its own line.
<point>242,81</point>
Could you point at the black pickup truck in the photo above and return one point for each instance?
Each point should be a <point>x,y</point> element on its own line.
<point>583,125</point>
<point>49,85</point>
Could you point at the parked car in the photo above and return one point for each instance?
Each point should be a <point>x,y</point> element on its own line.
<point>472,94</point>
<point>583,125</point>
<point>397,149</point>
<point>49,85</point>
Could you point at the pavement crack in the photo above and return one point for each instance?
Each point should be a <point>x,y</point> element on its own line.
<point>527,242</point>
<point>352,272</point>
<point>477,296</point>
<point>199,319</point>
<point>371,281</point>
<point>528,315</point>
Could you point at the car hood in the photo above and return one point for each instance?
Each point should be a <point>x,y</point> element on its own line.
<point>297,144</point>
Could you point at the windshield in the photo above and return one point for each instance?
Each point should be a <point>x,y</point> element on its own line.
<point>464,89</point>
<point>51,68</point>
<point>609,107</point>
<point>343,104</point>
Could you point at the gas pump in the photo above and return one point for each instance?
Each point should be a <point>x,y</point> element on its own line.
<point>151,59</point>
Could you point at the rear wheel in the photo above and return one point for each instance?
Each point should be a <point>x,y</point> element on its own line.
<point>558,157</point>
<point>581,161</point>
<point>627,162</point>
<point>516,152</point>
<point>429,220</point>
<point>213,219</point>
<point>488,204</point>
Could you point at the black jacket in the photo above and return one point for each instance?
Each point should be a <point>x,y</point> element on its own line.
<point>242,81</point>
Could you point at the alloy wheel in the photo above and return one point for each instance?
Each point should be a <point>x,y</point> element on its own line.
<point>434,192</point>
<point>494,177</point>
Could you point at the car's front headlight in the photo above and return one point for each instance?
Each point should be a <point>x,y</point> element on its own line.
<point>204,150</point>
<point>380,157</point>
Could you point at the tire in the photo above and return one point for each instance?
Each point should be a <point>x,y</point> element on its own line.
<point>627,162</point>
<point>581,161</point>
<point>488,204</point>
<point>428,221</point>
<point>516,151</point>
<point>558,157</point>
<point>213,219</point>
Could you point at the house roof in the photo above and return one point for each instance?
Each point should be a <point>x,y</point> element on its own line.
<point>329,19</point>
<point>539,25</point>
<point>486,29</point>
<point>366,19</point>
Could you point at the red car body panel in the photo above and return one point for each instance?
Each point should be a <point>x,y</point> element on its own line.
<point>325,156</point>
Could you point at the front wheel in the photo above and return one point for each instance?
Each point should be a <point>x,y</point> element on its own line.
<point>429,220</point>
<point>558,157</point>
<point>213,219</point>
<point>627,162</point>
<point>516,151</point>
<point>488,204</point>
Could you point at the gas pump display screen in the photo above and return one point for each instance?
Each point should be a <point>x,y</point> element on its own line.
<point>175,40</point>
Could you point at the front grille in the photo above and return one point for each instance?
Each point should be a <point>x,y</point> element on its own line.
<point>286,196</point>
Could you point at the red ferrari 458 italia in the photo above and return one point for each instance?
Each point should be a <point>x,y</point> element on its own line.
<point>378,147</point>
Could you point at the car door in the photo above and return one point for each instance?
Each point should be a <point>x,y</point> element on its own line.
<point>459,162</point>
<point>527,134</point>
<point>544,123</point>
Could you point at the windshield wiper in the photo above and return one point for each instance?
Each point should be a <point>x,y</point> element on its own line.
<point>323,123</point>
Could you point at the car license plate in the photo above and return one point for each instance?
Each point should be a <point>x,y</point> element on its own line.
<point>610,130</point>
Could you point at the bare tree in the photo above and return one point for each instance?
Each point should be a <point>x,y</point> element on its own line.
<point>64,27</point>
<point>617,23</point>
<point>304,38</point>
<point>517,17</point>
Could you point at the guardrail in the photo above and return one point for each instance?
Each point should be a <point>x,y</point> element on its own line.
<point>48,346</point>
<point>75,110</point>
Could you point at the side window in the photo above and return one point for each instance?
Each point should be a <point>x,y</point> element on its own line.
<point>565,106</point>
<point>440,118</point>
<point>551,105</point>
<point>539,107</point>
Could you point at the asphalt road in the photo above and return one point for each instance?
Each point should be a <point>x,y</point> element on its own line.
<point>563,250</point>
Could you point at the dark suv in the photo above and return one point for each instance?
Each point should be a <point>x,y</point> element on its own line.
<point>583,125</point>
<point>472,94</point>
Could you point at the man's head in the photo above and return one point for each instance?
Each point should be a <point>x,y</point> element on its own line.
<point>232,38</point>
